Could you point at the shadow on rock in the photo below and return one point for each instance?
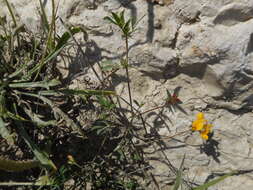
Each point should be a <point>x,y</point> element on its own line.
<point>210,148</point>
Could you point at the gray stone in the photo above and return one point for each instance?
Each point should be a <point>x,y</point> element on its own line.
<point>204,46</point>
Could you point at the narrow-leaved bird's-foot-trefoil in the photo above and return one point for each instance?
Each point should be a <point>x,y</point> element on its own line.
<point>201,125</point>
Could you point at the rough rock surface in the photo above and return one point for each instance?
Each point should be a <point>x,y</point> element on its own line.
<point>204,46</point>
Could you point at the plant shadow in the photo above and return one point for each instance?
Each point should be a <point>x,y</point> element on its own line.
<point>210,148</point>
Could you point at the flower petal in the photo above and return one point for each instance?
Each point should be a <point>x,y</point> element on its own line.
<point>204,135</point>
<point>200,115</point>
<point>198,124</point>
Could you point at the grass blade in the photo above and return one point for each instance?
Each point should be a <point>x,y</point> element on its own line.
<point>41,156</point>
<point>215,181</point>
<point>67,35</point>
<point>13,183</point>
<point>42,84</point>
<point>70,92</point>
<point>44,17</point>
<point>179,175</point>
<point>11,12</point>
<point>62,42</point>
<point>110,20</point>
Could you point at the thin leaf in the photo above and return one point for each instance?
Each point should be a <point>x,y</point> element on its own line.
<point>117,19</point>
<point>110,20</point>
<point>11,12</point>
<point>126,28</point>
<point>13,183</point>
<point>69,92</point>
<point>67,35</point>
<point>99,126</point>
<point>136,22</point>
<point>169,95</point>
<point>176,91</point>
<point>215,181</point>
<point>41,156</point>
<point>48,48</point>
<point>178,181</point>
<point>44,17</point>
<point>62,42</point>
<point>180,108</point>
<point>133,22</point>
<point>42,84</point>
<point>137,103</point>
<point>100,130</point>
<point>122,18</point>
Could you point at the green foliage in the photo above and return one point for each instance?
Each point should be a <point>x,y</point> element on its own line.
<point>179,178</point>
<point>30,107</point>
<point>58,180</point>
<point>26,90</point>
<point>127,26</point>
<point>105,103</point>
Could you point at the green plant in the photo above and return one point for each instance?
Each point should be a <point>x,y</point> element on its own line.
<point>205,186</point>
<point>34,103</point>
<point>28,89</point>
<point>127,27</point>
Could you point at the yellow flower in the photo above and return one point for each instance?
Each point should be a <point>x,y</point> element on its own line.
<point>201,125</point>
<point>204,133</point>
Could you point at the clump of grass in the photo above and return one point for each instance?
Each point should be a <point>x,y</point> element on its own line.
<point>29,89</point>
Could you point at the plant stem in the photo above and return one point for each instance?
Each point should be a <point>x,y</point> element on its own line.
<point>152,109</point>
<point>127,74</point>
<point>11,12</point>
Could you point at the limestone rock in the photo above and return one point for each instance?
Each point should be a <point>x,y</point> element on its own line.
<point>204,46</point>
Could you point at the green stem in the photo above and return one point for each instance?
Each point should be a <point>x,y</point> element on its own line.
<point>11,12</point>
<point>127,74</point>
